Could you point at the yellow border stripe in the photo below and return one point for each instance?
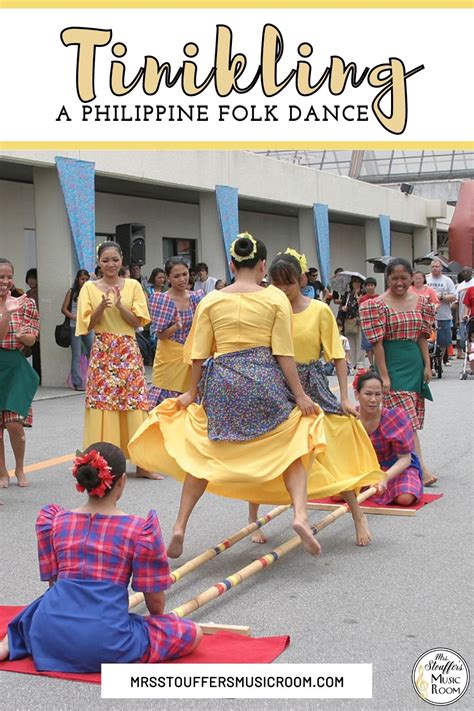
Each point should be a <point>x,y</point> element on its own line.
<point>45,464</point>
<point>231,145</point>
<point>237,4</point>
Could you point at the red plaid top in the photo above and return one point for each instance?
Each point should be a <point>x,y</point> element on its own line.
<point>380,322</point>
<point>164,313</point>
<point>394,436</point>
<point>28,316</point>
<point>83,546</point>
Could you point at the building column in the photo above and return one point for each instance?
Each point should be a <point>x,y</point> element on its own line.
<point>307,238</point>
<point>422,241</point>
<point>212,250</point>
<point>55,272</point>
<point>373,245</point>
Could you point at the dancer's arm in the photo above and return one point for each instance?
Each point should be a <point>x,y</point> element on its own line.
<point>341,371</point>
<point>423,346</point>
<point>402,463</point>
<point>155,602</point>
<point>304,402</point>
<point>163,335</point>
<point>99,311</point>
<point>379,355</point>
<point>189,396</point>
<point>126,313</point>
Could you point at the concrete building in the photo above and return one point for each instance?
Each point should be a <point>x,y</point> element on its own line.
<point>172,193</point>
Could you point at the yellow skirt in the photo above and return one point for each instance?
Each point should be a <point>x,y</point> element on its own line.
<point>349,461</point>
<point>114,426</point>
<point>170,372</point>
<point>175,442</point>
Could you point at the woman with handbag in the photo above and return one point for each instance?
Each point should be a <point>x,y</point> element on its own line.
<point>19,327</point>
<point>69,309</point>
<point>350,313</point>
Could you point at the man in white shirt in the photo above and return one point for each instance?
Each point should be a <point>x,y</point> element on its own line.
<point>204,281</point>
<point>446,292</point>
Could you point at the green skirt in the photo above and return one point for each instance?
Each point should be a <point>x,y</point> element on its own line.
<point>406,367</point>
<point>18,382</point>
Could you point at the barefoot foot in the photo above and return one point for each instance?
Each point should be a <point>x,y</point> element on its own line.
<point>143,474</point>
<point>310,544</point>
<point>175,547</point>
<point>4,480</point>
<point>363,537</point>
<point>21,479</point>
<point>258,537</point>
<point>4,649</point>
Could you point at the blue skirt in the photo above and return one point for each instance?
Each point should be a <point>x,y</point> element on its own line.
<point>244,394</point>
<point>76,626</point>
<point>315,384</point>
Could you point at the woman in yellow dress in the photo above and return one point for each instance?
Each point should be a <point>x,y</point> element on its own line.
<point>349,461</point>
<point>116,394</point>
<point>246,439</point>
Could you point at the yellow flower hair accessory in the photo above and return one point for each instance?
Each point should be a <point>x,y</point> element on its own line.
<point>301,258</point>
<point>238,257</point>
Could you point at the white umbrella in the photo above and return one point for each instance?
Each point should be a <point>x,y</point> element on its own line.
<point>341,281</point>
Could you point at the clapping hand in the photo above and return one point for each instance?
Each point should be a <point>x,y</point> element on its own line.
<point>106,302</point>
<point>117,296</point>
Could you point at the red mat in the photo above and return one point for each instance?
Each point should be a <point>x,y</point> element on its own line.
<point>219,648</point>
<point>425,499</point>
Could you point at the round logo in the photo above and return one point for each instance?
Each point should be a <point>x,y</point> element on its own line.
<point>440,676</point>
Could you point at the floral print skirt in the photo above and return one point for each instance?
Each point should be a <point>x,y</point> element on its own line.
<point>244,395</point>
<point>116,375</point>
<point>315,384</point>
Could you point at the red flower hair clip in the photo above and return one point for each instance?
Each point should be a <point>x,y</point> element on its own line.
<point>358,375</point>
<point>97,461</point>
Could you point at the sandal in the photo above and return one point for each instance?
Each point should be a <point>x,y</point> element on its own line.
<point>430,481</point>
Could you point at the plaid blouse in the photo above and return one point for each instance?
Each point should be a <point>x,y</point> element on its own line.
<point>83,546</point>
<point>28,316</point>
<point>380,322</point>
<point>164,313</point>
<point>394,436</point>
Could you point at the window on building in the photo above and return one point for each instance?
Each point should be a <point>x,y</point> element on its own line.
<point>185,248</point>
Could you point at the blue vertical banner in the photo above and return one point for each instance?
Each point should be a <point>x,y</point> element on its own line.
<point>321,231</point>
<point>77,180</point>
<point>384,223</point>
<point>228,210</point>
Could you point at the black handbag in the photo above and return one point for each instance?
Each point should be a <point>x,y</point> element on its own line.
<point>62,334</point>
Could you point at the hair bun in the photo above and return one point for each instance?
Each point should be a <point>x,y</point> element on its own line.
<point>88,477</point>
<point>244,246</point>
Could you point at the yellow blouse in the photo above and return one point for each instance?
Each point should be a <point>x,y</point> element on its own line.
<point>315,330</point>
<point>132,298</point>
<point>227,322</point>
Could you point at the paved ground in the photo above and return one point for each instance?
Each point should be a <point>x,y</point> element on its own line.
<point>386,604</point>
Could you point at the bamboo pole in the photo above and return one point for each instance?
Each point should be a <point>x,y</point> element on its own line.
<point>211,553</point>
<point>257,565</point>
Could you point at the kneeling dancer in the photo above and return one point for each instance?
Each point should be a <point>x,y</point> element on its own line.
<point>88,556</point>
<point>393,438</point>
